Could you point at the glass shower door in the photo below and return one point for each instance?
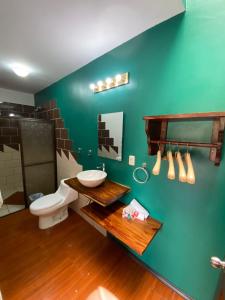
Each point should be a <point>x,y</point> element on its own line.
<point>38,156</point>
<point>11,179</point>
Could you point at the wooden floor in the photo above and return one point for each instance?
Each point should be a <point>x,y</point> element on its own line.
<point>17,198</point>
<point>68,261</point>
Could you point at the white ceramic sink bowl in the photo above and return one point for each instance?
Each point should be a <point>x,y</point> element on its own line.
<point>91,178</point>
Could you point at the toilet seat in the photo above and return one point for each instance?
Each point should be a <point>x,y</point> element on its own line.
<point>45,203</point>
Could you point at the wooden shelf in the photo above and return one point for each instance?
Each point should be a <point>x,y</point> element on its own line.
<point>134,233</point>
<point>188,117</point>
<point>105,194</point>
<point>156,131</point>
<point>189,144</point>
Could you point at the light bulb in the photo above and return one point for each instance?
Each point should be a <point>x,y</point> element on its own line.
<point>118,77</point>
<point>100,83</point>
<point>92,86</point>
<point>11,115</point>
<point>108,80</point>
<point>20,70</point>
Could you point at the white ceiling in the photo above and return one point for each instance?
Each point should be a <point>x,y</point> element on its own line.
<point>57,37</point>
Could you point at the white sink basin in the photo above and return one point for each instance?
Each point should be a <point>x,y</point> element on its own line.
<point>91,178</point>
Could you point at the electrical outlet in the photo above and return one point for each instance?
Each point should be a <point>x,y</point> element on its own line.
<point>131,161</point>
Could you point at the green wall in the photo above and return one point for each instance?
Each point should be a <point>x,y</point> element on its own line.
<point>176,67</point>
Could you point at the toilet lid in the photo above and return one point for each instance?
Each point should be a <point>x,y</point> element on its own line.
<point>46,201</point>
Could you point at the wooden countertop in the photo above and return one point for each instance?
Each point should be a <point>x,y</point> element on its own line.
<point>105,194</point>
<point>133,233</point>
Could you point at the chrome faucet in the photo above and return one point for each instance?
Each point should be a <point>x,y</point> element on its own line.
<point>102,167</point>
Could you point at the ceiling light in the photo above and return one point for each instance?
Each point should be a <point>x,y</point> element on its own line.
<point>20,70</point>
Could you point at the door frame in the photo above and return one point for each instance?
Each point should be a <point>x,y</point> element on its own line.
<point>22,153</point>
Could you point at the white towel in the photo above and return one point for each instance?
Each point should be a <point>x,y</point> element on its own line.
<point>138,207</point>
<point>135,211</point>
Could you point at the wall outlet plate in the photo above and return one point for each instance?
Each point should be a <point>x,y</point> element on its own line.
<point>131,160</point>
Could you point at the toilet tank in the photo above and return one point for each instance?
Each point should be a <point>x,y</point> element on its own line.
<point>66,192</point>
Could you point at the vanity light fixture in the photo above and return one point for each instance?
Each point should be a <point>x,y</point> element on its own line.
<point>108,80</point>
<point>118,78</point>
<point>100,83</point>
<point>109,83</point>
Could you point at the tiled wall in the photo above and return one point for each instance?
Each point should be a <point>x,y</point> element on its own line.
<point>63,142</point>
<point>9,138</point>
<point>10,172</point>
<point>9,133</point>
<point>9,126</point>
<point>67,165</point>
<point>9,129</point>
<point>19,110</point>
<point>11,181</point>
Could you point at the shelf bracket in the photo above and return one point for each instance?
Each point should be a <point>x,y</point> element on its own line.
<point>217,137</point>
<point>156,130</point>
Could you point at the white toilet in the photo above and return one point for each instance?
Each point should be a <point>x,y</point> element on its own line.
<point>53,208</point>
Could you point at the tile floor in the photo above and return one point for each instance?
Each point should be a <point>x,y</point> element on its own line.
<point>7,209</point>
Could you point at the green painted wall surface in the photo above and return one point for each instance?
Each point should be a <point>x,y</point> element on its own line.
<point>176,67</point>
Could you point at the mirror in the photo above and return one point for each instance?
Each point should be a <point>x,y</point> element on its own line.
<point>110,135</point>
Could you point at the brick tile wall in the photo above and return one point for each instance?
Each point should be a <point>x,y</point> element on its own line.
<point>9,130</point>
<point>10,172</point>
<point>50,111</point>
<point>19,110</point>
<point>9,133</point>
<point>9,127</point>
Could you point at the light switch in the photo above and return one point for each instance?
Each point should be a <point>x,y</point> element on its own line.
<point>131,161</point>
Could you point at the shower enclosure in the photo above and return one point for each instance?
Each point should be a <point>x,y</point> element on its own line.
<point>27,161</point>
<point>38,156</point>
